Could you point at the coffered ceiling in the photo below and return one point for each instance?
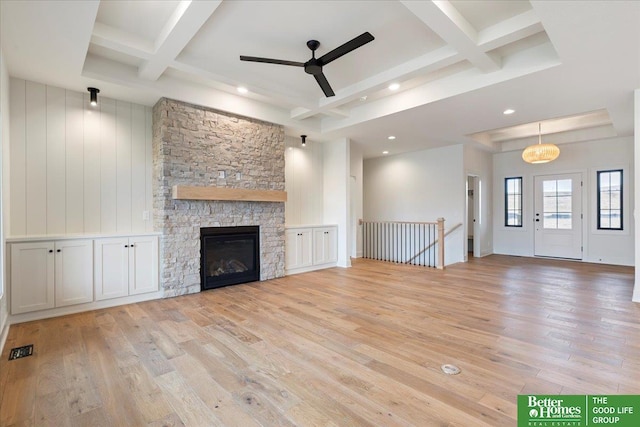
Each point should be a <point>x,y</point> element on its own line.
<point>459,63</point>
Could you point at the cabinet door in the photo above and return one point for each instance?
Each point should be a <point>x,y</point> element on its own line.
<point>32,277</point>
<point>111,268</point>
<point>291,249</point>
<point>305,244</point>
<point>143,264</point>
<point>319,252</point>
<point>324,245</point>
<point>74,272</point>
<point>331,244</point>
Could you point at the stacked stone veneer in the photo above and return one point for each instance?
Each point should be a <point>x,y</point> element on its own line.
<point>191,146</point>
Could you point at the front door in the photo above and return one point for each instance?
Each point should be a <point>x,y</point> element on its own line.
<point>558,216</point>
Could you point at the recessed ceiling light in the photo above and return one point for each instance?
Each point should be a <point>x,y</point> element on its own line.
<point>385,152</point>
<point>394,86</point>
<point>363,98</point>
<point>242,89</point>
<point>391,137</point>
<point>508,111</point>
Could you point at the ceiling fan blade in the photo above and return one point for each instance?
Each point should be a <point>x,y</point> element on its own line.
<point>355,43</point>
<point>324,84</point>
<point>271,61</point>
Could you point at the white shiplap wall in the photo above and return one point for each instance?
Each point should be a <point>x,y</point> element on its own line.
<point>77,168</point>
<point>303,182</point>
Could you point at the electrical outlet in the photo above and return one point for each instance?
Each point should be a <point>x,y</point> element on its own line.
<point>221,174</point>
<point>238,176</point>
<point>145,215</point>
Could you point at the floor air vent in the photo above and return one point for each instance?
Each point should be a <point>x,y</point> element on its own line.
<point>18,352</point>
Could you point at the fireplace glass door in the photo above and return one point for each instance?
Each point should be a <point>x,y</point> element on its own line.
<point>229,256</point>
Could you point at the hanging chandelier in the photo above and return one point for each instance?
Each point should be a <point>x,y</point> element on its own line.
<point>540,153</point>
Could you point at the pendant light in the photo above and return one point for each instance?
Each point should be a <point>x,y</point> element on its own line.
<point>304,140</point>
<point>540,153</point>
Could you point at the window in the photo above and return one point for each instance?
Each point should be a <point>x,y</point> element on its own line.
<point>513,202</point>
<point>610,200</point>
<point>557,198</point>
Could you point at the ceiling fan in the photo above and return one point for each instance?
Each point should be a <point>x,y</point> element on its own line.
<point>314,65</point>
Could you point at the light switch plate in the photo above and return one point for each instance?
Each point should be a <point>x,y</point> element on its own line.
<point>221,174</point>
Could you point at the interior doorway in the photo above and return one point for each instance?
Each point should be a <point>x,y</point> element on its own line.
<point>558,216</point>
<point>472,226</point>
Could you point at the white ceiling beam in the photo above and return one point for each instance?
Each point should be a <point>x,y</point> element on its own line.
<point>426,63</point>
<point>121,41</point>
<point>510,30</point>
<point>445,20</point>
<point>183,25</point>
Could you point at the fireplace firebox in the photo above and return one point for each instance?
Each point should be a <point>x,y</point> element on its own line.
<point>229,256</point>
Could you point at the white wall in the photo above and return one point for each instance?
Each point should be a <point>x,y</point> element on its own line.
<point>419,186</point>
<point>303,182</point>
<point>77,168</point>
<point>479,163</point>
<point>356,199</point>
<point>336,188</point>
<point>610,247</point>
<point>636,181</point>
<point>4,146</point>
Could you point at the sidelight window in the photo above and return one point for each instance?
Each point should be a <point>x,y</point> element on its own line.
<point>610,200</point>
<point>513,202</point>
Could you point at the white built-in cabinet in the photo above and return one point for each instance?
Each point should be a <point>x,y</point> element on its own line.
<point>50,274</point>
<point>310,248</point>
<point>54,274</point>
<point>298,248</point>
<point>125,266</point>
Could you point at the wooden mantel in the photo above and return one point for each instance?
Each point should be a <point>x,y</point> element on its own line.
<point>184,192</point>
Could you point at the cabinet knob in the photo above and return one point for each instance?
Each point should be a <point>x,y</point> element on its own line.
<point>131,245</point>
<point>126,246</point>
<point>59,250</point>
<point>50,251</point>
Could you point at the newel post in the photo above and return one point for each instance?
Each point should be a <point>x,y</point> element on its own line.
<point>440,265</point>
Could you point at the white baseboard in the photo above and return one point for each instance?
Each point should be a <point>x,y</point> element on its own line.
<point>79,308</point>
<point>309,268</point>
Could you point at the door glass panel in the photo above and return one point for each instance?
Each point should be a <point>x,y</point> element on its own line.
<point>557,198</point>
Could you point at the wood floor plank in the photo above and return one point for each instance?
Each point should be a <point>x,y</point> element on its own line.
<point>359,347</point>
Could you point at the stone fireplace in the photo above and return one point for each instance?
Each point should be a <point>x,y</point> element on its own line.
<point>198,146</point>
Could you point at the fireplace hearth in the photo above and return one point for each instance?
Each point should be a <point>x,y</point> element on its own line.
<point>229,256</point>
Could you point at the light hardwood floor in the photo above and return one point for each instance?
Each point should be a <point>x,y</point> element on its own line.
<point>339,347</point>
